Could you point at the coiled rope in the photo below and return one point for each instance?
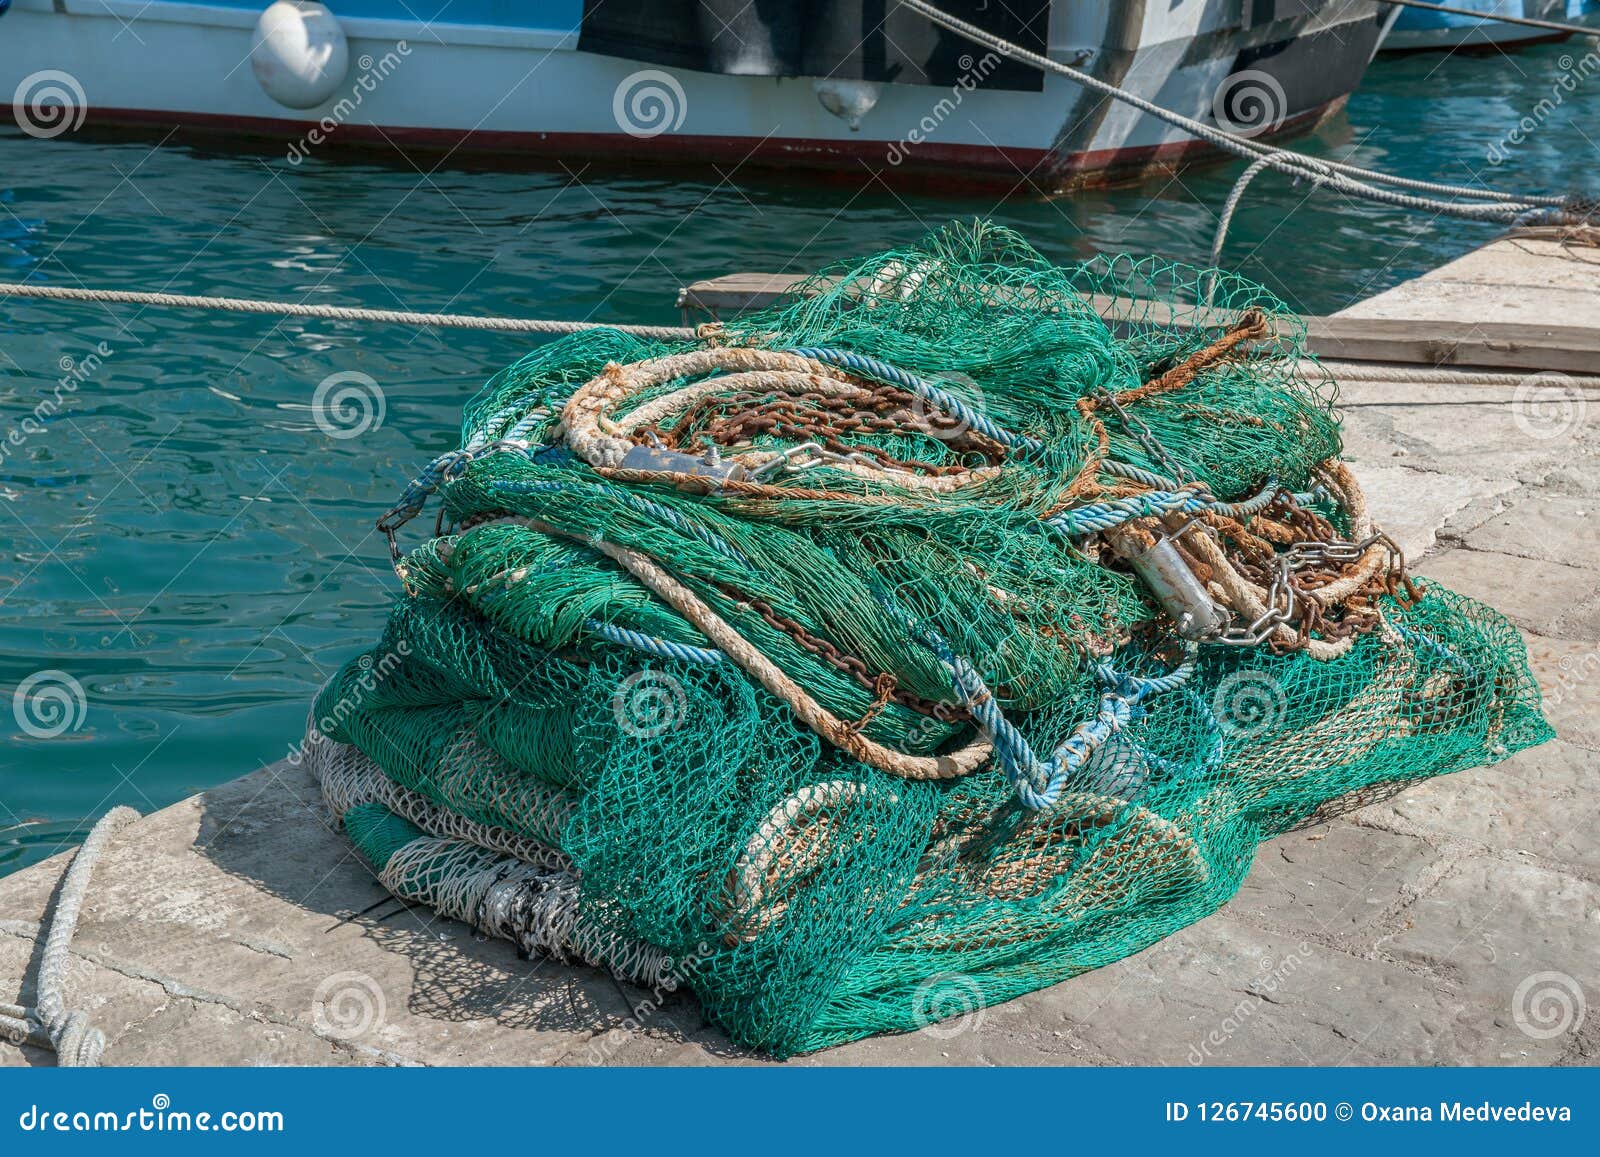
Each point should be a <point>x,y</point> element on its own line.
<point>52,1024</point>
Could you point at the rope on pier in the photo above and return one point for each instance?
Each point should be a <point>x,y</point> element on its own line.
<point>52,1024</point>
<point>1443,376</point>
<point>338,312</point>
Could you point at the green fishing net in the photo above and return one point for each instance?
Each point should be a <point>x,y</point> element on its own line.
<point>571,733</point>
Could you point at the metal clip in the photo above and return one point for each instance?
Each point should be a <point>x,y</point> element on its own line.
<point>783,460</point>
<point>653,459</point>
<point>1174,585</point>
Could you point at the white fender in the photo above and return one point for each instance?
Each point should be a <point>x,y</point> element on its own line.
<point>299,53</point>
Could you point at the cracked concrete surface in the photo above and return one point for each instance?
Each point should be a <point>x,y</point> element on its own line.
<point>237,927</point>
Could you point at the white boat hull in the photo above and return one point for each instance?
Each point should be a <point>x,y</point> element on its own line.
<point>462,89</point>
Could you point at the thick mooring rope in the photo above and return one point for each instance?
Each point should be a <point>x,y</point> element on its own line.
<point>1351,179</point>
<point>336,312</point>
<point>52,1024</point>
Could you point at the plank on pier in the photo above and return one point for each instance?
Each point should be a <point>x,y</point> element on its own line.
<point>1457,315</point>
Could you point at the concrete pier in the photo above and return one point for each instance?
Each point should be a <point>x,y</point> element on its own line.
<point>1441,926</point>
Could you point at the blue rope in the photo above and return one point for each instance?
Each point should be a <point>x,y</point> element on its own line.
<point>650,645</point>
<point>1039,784</point>
<point>1438,650</point>
<point>944,400</point>
<point>1105,515</point>
<point>637,503</point>
<point>1139,474</point>
<point>451,465</point>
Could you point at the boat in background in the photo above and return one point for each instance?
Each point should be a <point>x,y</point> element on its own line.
<point>703,82</point>
<point>1419,30</point>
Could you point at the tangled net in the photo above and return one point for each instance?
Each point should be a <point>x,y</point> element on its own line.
<point>951,631</point>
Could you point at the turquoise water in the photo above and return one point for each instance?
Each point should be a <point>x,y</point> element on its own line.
<point>186,545</point>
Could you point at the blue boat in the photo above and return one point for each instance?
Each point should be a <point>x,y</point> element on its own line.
<point>1419,30</point>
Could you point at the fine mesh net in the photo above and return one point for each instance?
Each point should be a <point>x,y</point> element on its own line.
<point>827,666</point>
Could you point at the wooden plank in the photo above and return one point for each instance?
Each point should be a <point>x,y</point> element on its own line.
<point>1489,345</point>
<point>735,293</point>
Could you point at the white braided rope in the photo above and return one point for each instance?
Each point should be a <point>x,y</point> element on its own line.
<point>775,839</point>
<point>77,1043</point>
<point>1439,375</point>
<point>335,312</point>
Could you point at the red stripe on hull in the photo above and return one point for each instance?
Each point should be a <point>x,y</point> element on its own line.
<point>930,166</point>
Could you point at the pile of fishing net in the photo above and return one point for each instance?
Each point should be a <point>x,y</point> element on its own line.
<point>943,634</point>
